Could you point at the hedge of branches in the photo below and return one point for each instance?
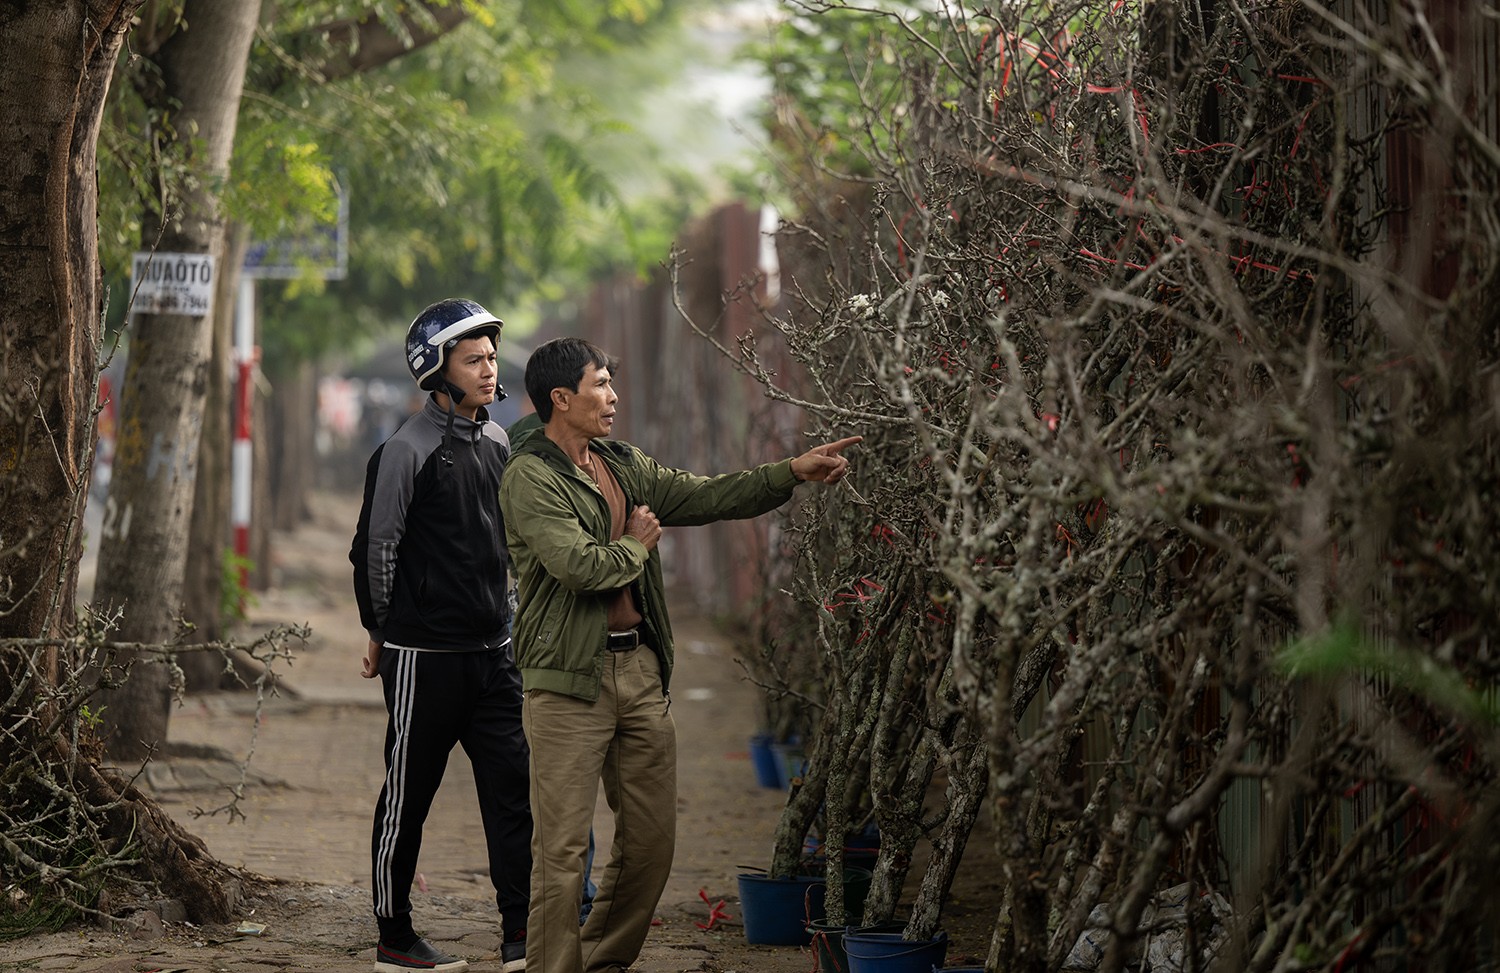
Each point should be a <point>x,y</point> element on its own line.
<point>1171,329</point>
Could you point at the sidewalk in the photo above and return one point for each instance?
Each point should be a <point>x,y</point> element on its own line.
<point>309,796</point>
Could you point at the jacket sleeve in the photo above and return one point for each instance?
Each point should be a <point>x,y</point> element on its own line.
<point>390,480</point>
<point>539,515</point>
<point>683,499</point>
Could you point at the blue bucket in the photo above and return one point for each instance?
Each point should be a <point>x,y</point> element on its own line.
<point>776,911</point>
<point>828,944</point>
<point>828,947</point>
<point>791,762</point>
<point>764,759</point>
<point>887,952</point>
<point>862,849</point>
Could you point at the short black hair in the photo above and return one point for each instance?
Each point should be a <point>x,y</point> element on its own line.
<point>560,364</point>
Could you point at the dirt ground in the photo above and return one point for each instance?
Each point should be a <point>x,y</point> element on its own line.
<point>301,837</point>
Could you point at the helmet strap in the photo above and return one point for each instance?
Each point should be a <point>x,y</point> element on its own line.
<point>454,395</point>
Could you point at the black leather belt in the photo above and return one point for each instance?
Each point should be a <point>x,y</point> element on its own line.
<point>623,641</point>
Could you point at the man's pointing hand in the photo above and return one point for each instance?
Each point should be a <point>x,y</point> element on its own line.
<point>823,463</point>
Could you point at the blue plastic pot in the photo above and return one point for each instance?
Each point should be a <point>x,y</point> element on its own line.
<point>791,762</point>
<point>764,760</point>
<point>776,911</point>
<point>828,944</point>
<point>887,952</point>
<point>862,850</point>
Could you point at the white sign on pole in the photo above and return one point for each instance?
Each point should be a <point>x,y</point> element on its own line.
<point>172,283</point>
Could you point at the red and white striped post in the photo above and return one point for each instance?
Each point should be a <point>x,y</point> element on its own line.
<point>241,453</point>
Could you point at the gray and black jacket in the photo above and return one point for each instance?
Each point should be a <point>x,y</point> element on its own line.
<point>429,551</point>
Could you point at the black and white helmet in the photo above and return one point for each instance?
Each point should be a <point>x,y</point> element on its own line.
<point>437,329</point>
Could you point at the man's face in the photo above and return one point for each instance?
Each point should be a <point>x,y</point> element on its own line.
<point>591,410</point>
<point>471,367</point>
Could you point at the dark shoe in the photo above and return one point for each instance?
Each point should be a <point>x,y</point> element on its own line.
<point>513,954</point>
<point>421,956</point>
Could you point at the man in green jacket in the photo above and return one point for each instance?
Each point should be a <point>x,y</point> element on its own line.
<point>583,515</point>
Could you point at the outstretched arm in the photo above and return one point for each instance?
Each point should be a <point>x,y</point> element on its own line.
<point>823,463</point>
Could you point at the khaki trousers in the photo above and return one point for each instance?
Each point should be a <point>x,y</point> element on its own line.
<point>626,739</point>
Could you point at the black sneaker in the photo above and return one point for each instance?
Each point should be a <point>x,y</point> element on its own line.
<point>421,956</point>
<point>513,954</point>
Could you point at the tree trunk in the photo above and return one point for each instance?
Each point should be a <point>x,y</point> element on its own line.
<point>967,784</point>
<point>898,784</point>
<point>209,534</point>
<point>803,801</point>
<point>143,548</point>
<point>53,82</point>
<point>285,459</point>
<point>293,453</point>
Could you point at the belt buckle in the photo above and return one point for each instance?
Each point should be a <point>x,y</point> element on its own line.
<point>617,640</point>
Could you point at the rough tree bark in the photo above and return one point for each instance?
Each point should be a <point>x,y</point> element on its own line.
<point>209,533</point>
<point>143,548</point>
<point>968,774</point>
<point>326,53</point>
<point>293,454</point>
<point>53,84</point>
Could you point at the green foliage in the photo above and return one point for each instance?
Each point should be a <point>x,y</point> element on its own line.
<point>298,167</point>
<point>124,156</point>
<point>831,73</point>
<point>144,166</point>
<point>494,161</point>
<point>490,163</point>
<point>234,594</point>
<point>499,161</point>
<point>90,718</point>
<point>1344,651</point>
<point>33,909</point>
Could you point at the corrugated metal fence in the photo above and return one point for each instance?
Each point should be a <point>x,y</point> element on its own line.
<point>686,404</point>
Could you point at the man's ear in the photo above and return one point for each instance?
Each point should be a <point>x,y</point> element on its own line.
<point>560,399</point>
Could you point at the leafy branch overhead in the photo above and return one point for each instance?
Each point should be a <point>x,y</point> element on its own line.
<point>490,159</point>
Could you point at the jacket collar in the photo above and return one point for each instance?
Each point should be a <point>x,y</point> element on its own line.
<point>438,415</point>
<point>537,444</point>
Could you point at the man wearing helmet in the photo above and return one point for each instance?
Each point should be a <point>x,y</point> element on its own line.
<point>430,579</point>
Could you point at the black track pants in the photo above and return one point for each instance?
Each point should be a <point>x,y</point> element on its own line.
<point>434,700</point>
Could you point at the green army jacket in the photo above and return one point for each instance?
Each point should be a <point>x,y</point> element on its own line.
<point>557,529</point>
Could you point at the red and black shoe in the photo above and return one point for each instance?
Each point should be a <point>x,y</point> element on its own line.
<point>421,955</point>
<point>513,952</point>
